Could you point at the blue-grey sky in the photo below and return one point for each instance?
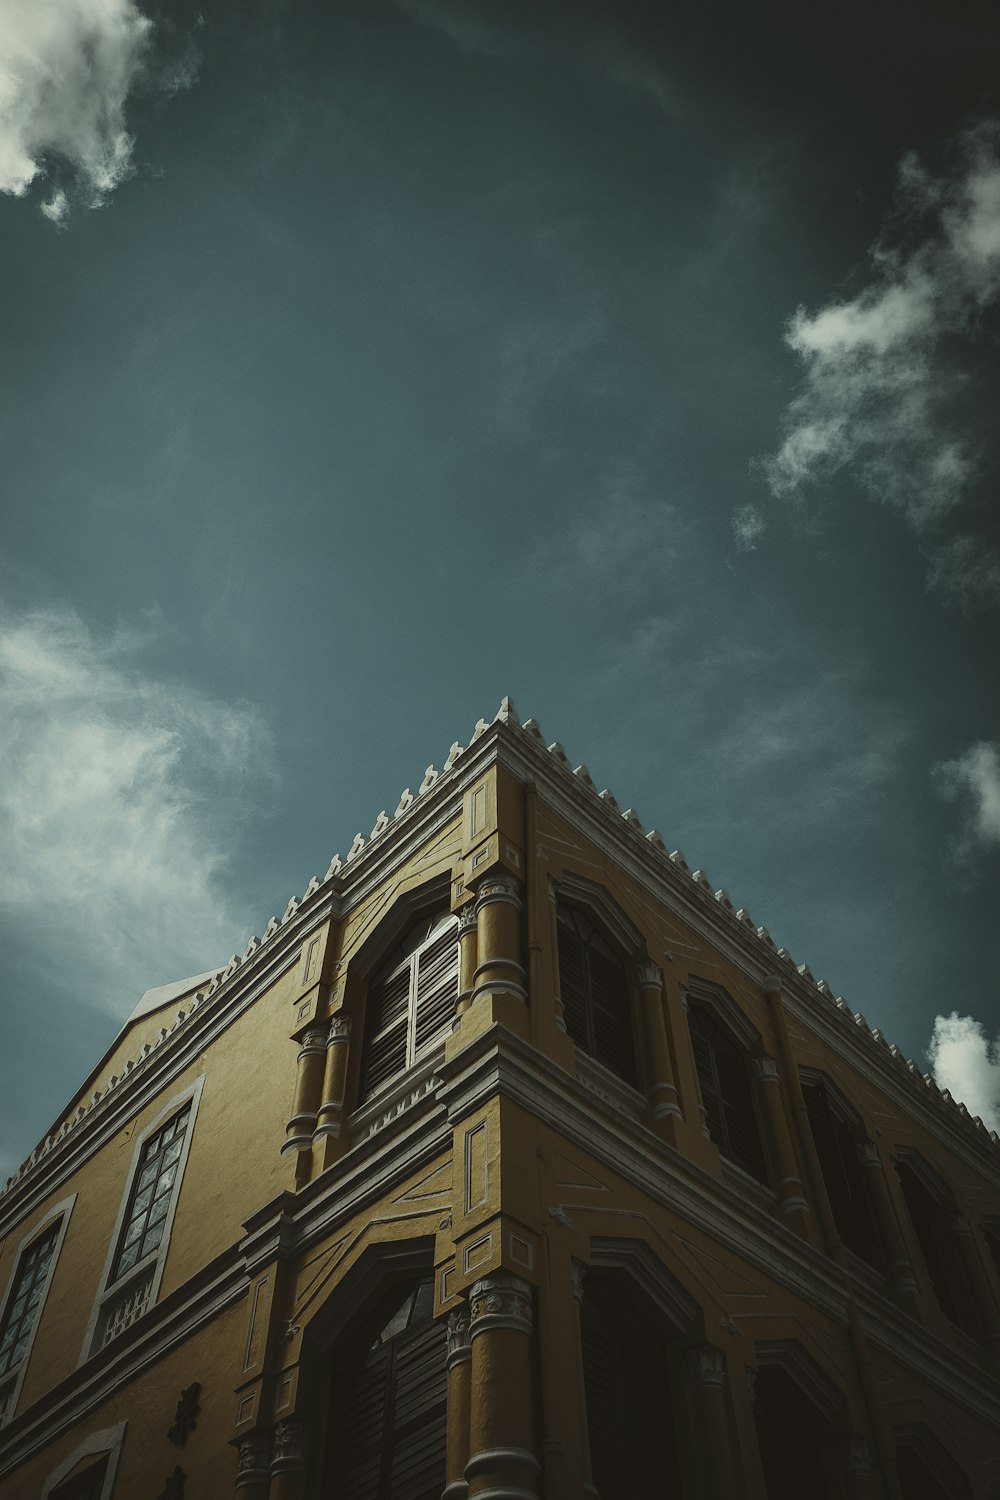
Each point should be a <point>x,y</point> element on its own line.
<point>362,364</point>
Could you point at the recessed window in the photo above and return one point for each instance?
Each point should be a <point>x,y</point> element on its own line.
<point>25,1299</point>
<point>86,1484</point>
<point>151,1195</point>
<point>593,984</point>
<point>411,1000</point>
<point>928,1207</point>
<point>726,1092</point>
<point>837,1149</point>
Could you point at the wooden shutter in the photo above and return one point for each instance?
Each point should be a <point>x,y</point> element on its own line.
<point>573,984</point>
<point>389,1420</point>
<point>726,1093</point>
<point>435,987</point>
<point>629,1412</point>
<point>926,1218</point>
<point>386,1019</point>
<point>825,1138</point>
<point>704,1062</point>
<point>611,1015</point>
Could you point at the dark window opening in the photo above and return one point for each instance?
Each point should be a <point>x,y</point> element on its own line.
<point>593,983</point>
<point>843,1174</point>
<point>796,1446</point>
<point>633,1443</point>
<point>87,1483</point>
<point>411,1000</point>
<point>388,1408</point>
<point>726,1093</point>
<point>937,1246</point>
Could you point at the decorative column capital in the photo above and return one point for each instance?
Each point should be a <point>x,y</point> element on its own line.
<point>772,984</point>
<point>765,1069</point>
<point>313,1042</point>
<point>552,888</point>
<point>289,1446</point>
<point>253,1459</point>
<point>706,1366</point>
<point>868,1153</point>
<point>500,1301</point>
<point>340,1028</point>
<point>959,1224</point>
<point>856,1453</point>
<point>498,888</point>
<point>459,1345</point>
<point>467,921</point>
<point>649,976</point>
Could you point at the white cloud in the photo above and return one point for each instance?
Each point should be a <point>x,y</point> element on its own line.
<point>974,779</point>
<point>965,571</point>
<point>66,72</point>
<point>964,1061</point>
<point>881,369</point>
<point>748,528</point>
<point>118,796</point>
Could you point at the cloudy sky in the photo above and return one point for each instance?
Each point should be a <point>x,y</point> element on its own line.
<point>362,364</point>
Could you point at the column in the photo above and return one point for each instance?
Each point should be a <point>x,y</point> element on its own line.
<point>459,1367</point>
<point>791,1199</point>
<point>308,1082</point>
<point>253,1472</point>
<point>331,1111</point>
<point>288,1469</point>
<point>579,1271</point>
<point>467,946</point>
<point>706,1367</point>
<point>502,1464</point>
<point>898,1268</point>
<point>499,972</point>
<point>663,1101</point>
<point>855,1453</point>
<point>979,1288</point>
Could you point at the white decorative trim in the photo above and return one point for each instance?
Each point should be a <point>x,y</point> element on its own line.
<point>138,1290</point>
<point>108,1441</point>
<point>11,1382</point>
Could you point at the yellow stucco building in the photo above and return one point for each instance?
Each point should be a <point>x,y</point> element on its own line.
<point>510,1162</point>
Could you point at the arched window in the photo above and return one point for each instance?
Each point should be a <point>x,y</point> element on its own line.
<point>633,1444</point>
<point>928,1205</point>
<point>388,1411</point>
<point>411,999</point>
<point>593,983</point>
<point>726,1091</point>
<point>835,1138</point>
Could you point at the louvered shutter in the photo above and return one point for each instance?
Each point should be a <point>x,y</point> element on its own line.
<point>611,1015</point>
<point>704,1062</point>
<point>573,984</point>
<point>435,987</point>
<point>742,1135</point>
<point>386,1021</point>
<point>629,1411</point>
<point>825,1138</point>
<point>390,1421</point>
<point>926,1215</point>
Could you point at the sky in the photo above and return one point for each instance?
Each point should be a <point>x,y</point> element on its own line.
<point>362,364</point>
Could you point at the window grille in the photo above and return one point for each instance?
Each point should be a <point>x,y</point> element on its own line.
<point>726,1093</point>
<point>122,1311</point>
<point>411,1000</point>
<point>593,984</point>
<point>151,1195</point>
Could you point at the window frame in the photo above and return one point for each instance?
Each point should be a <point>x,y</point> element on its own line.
<point>106,1443</point>
<point>569,902</point>
<point>414,1055</point>
<point>111,1292</point>
<point>12,1380</point>
<point>704,1005</point>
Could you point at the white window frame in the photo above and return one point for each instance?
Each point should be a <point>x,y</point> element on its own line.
<point>14,1379</point>
<point>97,1443</point>
<point>151,1268</point>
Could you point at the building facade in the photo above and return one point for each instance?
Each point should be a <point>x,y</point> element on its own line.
<point>511,1162</point>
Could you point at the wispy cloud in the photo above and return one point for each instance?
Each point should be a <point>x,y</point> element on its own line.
<point>119,795</point>
<point>882,369</point>
<point>66,73</point>
<point>748,528</point>
<point>973,780</point>
<point>965,1061</point>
